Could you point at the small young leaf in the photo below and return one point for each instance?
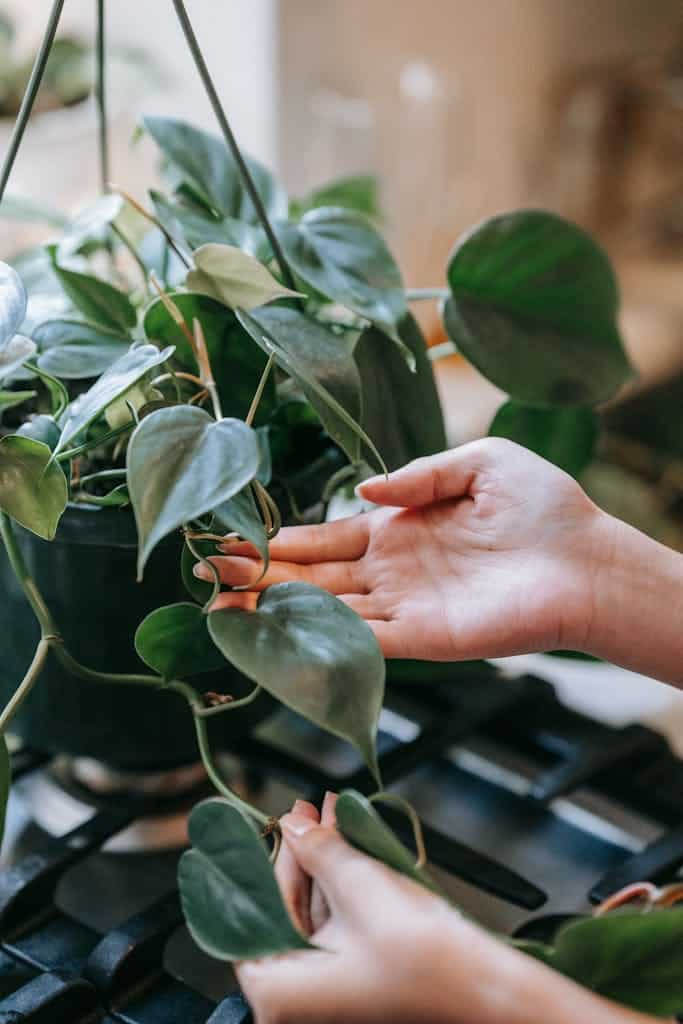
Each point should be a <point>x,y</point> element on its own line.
<point>236,362</point>
<point>175,642</point>
<point>181,465</point>
<point>13,302</point>
<point>98,300</point>
<point>13,354</point>
<point>33,489</point>
<point>311,652</point>
<point>233,277</point>
<point>230,898</point>
<point>5,781</point>
<point>565,436</point>
<point>634,959</point>
<point>8,399</point>
<point>75,350</point>
<point>322,364</point>
<point>341,255</point>
<point>115,381</point>
<point>361,825</point>
<point>239,515</point>
<point>206,164</point>
<point>533,306</point>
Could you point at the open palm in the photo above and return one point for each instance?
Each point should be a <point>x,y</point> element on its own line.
<point>481,552</point>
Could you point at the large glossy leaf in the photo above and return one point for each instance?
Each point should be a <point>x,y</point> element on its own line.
<point>401,410</point>
<point>236,362</point>
<point>5,780</point>
<point>533,306</point>
<point>33,489</point>
<point>91,225</point>
<point>635,959</point>
<point>199,227</point>
<point>99,301</point>
<point>182,464</point>
<point>566,437</point>
<point>120,376</point>
<point>239,515</point>
<point>342,256</point>
<point>13,354</point>
<point>12,303</point>
<point>321,362</point>
<point>361,825</point>
<point>75,350</point>
<point>311,652</point>
<point>175,642</point>
<point>205,162</point>
<point>234,277</point>
<point>230,898</point>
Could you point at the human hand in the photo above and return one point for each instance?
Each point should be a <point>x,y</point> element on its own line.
<point>483,551</point>
<point>389,950</point>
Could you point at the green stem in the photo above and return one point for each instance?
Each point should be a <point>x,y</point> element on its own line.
<point>231,142</point>
<point>33,595</point>
<point>90,675</point>
<point>88,446</point>
<point>422,294</point>
<point>212,569</point>
<point>411,813</point>
<point>104,474</point>
<point>30,95</point>
<point>253,408</point>
<point>26,685</point>
<point>127,244</point>
<point>232,705</point>
<point>101,97</point>
<point>192,698</point>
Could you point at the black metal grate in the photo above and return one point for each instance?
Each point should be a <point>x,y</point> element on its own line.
<point>56,969</point>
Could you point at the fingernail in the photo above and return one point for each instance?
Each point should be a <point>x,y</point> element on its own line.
<point>358,489</point>
<point>297,806</point>
<point>298,827</point>
<point>201,572</point>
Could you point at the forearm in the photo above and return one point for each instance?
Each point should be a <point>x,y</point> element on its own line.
<point>636,619</point>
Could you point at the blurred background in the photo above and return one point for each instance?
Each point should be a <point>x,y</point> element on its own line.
<point>460,110</point>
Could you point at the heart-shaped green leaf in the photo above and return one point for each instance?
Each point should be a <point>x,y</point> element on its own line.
<point>13,354</point>
<point>113,383</point>
<point>341,255</point>
<point>564,436</point>
<point>182,464</point>
<point>98,300</point>
<point>322,363</point>
<point>75,350</point>
<point>33,488</point>
<point>234,277</point>
<point>8,399</point>
<point>533,306</point>
<point>205,163</point>
<point>5,781</point>
<point>401,410</point>
<point>91,225</point>
<point>634,959</point>
<point>175,642</point>
<point>239,515</point>
<point>361,825</point>
<point>236,362</point>
<point>311,652</point>
<point>12,303</point>
<point>199,227</point>
<point>230,898</point>
<point>41,428</point>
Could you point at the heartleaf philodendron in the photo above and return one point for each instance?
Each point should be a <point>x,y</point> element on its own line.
<point>99,301</point>
<point>310,651</point>
<point>175,642</point>
<point>534,306</point>
<point>235,278</point>
<point>231,900</point>
<point>76,350</point>
<point>33,488</point>
<point>181,464</point>
<point>565,436</point>
<point>240,516</point>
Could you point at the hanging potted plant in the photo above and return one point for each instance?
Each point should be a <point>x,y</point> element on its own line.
<point>235,370</point>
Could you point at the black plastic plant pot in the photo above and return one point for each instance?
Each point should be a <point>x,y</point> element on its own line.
<point>87,576</point>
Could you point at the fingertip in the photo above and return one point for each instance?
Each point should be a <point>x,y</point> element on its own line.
<point>327,814</point>
<point>306,809</point>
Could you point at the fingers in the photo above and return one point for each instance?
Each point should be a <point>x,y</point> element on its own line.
<point>295,884</point>
<point>337,577</point>
<point>344,540</point>
<point>246,602</point>
<point>368,606</point>
<point>319,909</point>
<point>434,478</point>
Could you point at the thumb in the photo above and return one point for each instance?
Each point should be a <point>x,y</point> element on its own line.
<point>424,481</point>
